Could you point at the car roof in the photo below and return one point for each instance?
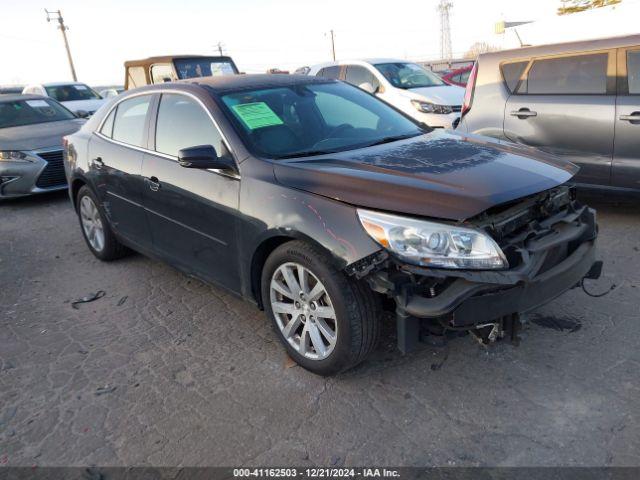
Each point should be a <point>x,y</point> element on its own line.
<point>169,58</point>
<point>55,84</point>
<point>360,61</point>
<point>19,96</point>
<point>227,83</point>
<point>565,47</point>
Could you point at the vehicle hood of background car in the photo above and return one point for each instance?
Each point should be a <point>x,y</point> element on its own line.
<point>86,105</point>
<point>39,135</point>
<point>440,175</point>
<point>442,95</point>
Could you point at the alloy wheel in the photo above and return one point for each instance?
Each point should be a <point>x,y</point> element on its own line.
<point>303,311</point>
<point>92,223</point>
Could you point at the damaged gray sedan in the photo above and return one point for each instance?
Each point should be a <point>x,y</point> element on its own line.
<point>324,206</point>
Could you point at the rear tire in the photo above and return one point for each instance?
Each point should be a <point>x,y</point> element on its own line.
<point>95,228</point>
<point>355,308</point>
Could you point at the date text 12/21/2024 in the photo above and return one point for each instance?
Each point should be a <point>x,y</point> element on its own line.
<point>315,472</point>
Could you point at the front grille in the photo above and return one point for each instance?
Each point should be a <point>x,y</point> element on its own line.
<point>53,174</point>
<point>456,108</point>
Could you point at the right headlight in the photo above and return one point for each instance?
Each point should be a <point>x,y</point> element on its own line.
<point>433,244</point>
<point>428,107</point>
<point>13,156</point>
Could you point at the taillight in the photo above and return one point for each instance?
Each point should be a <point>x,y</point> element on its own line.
<point>468,93</point>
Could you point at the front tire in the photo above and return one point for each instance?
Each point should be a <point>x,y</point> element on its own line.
<point>95,228</point>
<point>327,321</point>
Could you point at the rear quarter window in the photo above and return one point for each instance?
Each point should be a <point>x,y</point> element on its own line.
<point>107,126</point>
<point>129,122</point>
<point>511,73</point>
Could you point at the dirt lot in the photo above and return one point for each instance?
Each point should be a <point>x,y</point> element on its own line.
<point>164,370</point>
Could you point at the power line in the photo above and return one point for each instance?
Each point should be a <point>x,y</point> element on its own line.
<point>63,29</point>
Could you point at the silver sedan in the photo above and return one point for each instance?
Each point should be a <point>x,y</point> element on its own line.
<point>31,154</point>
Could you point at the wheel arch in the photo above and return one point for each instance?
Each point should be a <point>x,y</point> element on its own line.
<point>267,246</point>
<point>76,184</point>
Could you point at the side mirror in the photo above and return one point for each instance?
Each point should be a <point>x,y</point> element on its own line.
<point>367,87</point>
<point>204,157</point>
<point>82,113</point>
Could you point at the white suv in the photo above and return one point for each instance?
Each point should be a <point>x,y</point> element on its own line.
<point>405,85</point>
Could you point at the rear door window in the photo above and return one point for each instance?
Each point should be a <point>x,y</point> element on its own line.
<point>575,75</point>
<point>330,72</point>
<point>633,72</point>
<point>129,122</point>
<point>511,73</point>
<point>357,75</point>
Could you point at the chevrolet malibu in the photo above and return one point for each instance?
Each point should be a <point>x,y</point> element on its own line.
<point>324,205</point>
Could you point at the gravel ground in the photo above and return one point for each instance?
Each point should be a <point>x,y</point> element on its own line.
<point>165,370</point>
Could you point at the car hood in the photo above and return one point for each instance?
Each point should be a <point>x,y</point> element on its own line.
<point>440,175</point>
<point>86,105</point>
<point>40,135</point>
<point>442,95</point>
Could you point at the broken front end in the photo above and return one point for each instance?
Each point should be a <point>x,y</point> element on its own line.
<point>484,272</point>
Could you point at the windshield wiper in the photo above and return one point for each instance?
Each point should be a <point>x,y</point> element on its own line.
<point>391,139</point>
<point>310,153</point>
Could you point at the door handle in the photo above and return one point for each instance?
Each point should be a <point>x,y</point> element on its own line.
<point>154,183</point>
<point>523,113</point>
<point>97,162</point>
<point>633,118</point>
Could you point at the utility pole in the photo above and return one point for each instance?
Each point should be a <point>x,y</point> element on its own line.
<point>444,7</point>
<point>220,45</point>
<point>333,45</point>
<point>63,28</point>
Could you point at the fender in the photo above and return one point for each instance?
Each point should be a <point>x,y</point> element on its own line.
<point>331,225</point>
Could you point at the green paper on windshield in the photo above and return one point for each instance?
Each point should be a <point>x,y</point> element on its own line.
<point>257,115</point>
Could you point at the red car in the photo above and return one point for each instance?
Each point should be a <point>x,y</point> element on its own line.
<point>458,77</point>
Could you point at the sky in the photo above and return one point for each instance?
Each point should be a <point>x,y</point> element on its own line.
<point>259,35</point>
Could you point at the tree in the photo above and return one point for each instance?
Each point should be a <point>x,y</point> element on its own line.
<point>576,6</point>
<point>478,48</point>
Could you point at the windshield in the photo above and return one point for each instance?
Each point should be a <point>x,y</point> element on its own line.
<point>408,75</point>
<point>16,113</point>
<point>68,93</point>
<point>203,67</point>
<point>313,119</point>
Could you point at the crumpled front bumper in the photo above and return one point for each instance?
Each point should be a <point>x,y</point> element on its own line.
<point>469,303</point>
<point>551,257</point>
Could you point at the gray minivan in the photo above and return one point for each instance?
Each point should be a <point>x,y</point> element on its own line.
<point>579,100</point>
